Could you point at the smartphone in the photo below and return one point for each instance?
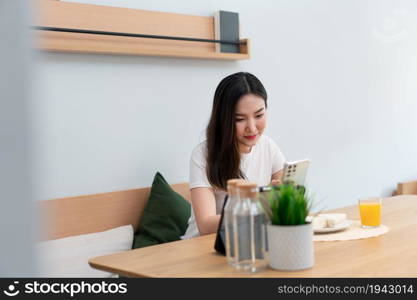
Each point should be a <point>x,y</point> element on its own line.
<point>296,171</point>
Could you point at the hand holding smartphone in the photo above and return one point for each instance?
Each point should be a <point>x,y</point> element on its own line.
<point>296,171</point>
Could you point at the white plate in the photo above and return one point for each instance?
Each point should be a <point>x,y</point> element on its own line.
<point>338,227</point>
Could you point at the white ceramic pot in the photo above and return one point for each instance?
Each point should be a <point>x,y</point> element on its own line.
<point>290,247</point>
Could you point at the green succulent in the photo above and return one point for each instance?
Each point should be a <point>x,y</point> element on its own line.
<point>288,205</point>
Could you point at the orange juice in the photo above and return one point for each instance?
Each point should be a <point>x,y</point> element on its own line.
<point>370,214</point>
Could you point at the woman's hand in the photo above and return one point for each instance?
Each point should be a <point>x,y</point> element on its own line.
<point>276,178</point>
<point>275,182</point>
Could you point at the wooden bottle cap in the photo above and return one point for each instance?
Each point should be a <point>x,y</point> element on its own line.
<point>232,184</point>
<point>247,189</point>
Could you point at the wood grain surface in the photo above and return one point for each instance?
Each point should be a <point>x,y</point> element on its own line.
<point>391,255</point>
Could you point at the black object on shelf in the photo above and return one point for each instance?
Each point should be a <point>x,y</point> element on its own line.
<point>236,43</point>
<point>226,27</point>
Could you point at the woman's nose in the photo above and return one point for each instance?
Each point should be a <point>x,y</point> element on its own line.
<point>251,126</point>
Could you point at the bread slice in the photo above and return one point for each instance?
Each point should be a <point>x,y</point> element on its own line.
<point>332,220</point>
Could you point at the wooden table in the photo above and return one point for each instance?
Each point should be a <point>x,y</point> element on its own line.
<point>393,254</point>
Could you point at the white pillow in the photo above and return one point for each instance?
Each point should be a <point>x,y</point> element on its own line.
<point>68,257</point>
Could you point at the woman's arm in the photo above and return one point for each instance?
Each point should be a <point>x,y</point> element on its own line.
<point>204,206</point>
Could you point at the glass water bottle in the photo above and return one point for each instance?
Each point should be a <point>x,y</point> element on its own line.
<point>228,221</point>
<point>249,229</point>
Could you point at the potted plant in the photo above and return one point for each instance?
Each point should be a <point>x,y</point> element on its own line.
<point>290,236</point>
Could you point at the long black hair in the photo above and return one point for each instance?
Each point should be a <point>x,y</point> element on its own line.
<point>223,157</point>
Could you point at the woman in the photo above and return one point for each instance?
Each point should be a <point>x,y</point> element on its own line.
<point>235,147</point>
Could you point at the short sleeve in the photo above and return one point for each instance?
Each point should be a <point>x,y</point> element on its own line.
<point>198,176</point>
<point>278,158</point>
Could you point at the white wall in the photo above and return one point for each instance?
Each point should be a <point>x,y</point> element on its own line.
<point>341,77</point>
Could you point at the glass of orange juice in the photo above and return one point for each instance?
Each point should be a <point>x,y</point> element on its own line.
<point>370,212</point>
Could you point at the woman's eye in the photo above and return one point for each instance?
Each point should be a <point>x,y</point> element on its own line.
<point>239,120</point>
<point>259,116</point>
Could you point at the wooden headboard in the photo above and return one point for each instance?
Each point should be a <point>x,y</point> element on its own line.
<point>98,212</point>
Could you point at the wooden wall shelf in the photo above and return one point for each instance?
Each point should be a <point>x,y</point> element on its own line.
<point>53,13</point>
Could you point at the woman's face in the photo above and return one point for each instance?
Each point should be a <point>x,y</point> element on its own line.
<point>250,118</point>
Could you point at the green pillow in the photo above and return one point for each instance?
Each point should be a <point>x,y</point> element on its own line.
<point>165,217</point>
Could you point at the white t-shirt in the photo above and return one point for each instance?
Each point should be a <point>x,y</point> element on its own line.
<point>258,166</point>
